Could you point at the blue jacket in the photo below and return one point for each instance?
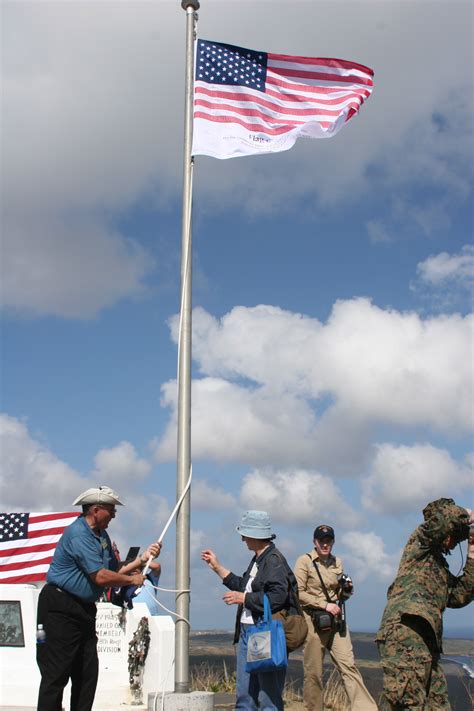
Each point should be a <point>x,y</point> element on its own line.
<point>274,578</point>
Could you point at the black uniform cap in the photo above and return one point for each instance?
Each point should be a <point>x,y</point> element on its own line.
<point>323,532</point>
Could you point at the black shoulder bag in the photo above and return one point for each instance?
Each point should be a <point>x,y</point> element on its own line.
<point>322,619</point>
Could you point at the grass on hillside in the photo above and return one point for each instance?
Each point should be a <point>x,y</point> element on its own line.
<point>208,678</point>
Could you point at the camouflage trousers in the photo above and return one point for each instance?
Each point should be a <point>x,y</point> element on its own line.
<point>412,676</point>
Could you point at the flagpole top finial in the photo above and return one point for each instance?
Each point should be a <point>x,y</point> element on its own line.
<point>190,3</point>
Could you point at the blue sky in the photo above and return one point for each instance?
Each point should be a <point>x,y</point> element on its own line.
<point>332,285</point>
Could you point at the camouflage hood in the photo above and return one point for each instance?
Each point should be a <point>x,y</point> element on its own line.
<point>446,518</point>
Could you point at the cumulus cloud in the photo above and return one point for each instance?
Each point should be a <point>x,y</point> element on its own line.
<point>404,479</point>
<point>142,520</point>
<point>307,495</point>
<point>209,497</point>
<point>282,388</point>
<point>445,280</point>
<point>86,136</point>
<point>384,363</point>
<point>198,539</point>
<point>27,459</point>
<point>79,138</point>
<point>441,268</point>
<point>120,464</point>
<point>53,266</point>
<point>232,422</point>
<point>368,557</point>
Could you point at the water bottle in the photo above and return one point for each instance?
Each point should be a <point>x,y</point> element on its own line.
<point>40,635</point>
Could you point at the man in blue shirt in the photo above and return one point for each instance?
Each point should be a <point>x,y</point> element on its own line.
<point>83,565</point>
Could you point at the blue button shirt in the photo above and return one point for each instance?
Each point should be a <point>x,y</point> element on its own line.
<point>79,553</point>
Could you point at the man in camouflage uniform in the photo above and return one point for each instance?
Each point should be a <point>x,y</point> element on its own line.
<point>410,635</point>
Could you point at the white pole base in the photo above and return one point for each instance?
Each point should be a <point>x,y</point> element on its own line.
<point>194,701</point>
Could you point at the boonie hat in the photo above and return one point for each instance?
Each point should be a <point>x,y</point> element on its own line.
<point>323,532</point>
<point>255,524</point>
<point>98,495</point>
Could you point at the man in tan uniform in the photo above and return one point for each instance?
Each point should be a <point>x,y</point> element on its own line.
<point>336,640</point>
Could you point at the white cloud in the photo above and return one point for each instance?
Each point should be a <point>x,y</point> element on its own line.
<point>368,558</point>
<point>53,266</point>
<point>198,539</point>
<point>404,479</point>
<point>89,130</point>
<point>295,496</point>
<point>120,465</point>
<point>80,146</point>
<point>26,460</point>
<point>81,114</point>
<point>446,281</point>
<point>232,422</point>
<point>293,384</point>
<point>210,497</point>
<point>142,520</point>
<point>443,268</point>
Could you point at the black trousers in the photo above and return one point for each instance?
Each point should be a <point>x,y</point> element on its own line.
<point>70,650</point>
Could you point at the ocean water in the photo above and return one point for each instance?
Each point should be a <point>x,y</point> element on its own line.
<point>466,662</point>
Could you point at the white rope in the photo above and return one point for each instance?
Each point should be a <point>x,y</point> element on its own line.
<point>155,599</point>
<point>168,523</point>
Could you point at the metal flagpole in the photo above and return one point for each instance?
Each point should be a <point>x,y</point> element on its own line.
<point>184,376</point>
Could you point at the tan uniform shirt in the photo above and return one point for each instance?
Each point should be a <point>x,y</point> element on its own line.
<point>309,585</point>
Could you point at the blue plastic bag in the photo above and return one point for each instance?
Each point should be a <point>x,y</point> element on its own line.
<point>266,644</point>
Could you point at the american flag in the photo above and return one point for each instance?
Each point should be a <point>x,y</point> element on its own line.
<point>248,102</point>
<point>27,543</point>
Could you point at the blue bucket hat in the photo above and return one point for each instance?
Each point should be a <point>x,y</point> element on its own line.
<point>256,524</point>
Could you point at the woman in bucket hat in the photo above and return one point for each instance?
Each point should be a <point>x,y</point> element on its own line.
<point>268,573</point>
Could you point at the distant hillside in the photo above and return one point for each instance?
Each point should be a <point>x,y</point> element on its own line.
<point>363,642</point>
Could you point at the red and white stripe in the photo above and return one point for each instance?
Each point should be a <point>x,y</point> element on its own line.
<point>299,91</point>
<point>28,560</point>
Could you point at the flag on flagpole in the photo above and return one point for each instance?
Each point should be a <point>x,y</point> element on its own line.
<point>27,543</point>
<point>248,102</point>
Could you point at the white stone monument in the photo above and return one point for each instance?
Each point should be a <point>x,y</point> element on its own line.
<point>19,674</point>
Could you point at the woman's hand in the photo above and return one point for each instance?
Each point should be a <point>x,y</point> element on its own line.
<point>333,608</point>
<point>234,598</point>
<point>210,558</point>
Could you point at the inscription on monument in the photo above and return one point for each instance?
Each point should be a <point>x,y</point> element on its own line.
<point>109,632</point>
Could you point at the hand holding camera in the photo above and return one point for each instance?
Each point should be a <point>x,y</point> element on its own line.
<point>346,587</point>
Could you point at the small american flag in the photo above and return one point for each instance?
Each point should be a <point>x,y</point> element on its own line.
<point>27,543</point>
<point>248,102</point>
